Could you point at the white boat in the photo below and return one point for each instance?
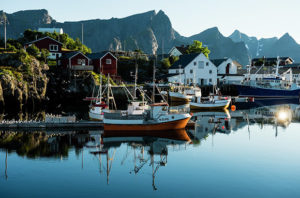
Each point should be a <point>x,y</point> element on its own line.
<point>184,94</point>
<point>95,112</point>
<point>156,118</point>
<point>211,103</point>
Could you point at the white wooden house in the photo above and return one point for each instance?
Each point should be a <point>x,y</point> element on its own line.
<point>228,71</point>
<point>193,69</point>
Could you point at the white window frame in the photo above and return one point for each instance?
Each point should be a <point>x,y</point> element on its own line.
<point>53,48</point>
<point>108,61</point>
<point>201,64</point>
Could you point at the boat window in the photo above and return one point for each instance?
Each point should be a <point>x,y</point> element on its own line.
<point>164,108</point>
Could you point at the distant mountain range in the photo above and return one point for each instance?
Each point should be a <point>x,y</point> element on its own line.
<point>153,33</point>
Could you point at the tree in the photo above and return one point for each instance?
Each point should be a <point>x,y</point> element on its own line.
<point>197,47</point>
<point>33,50</point>
<point>44,54</point>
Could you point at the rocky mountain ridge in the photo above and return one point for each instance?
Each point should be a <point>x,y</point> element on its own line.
<point>152,32</point>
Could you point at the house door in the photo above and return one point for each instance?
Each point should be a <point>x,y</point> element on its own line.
<point>202,81</point>
<point>227,68</point>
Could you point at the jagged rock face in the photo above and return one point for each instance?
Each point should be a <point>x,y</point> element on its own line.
<point>18,22</point>
<point>269,47</point>
<point>153,33</point>
<point>23,89</point>
<point>221,46</point>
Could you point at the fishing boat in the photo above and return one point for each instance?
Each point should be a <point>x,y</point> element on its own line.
<point>156,118</point>
<point>183,94</point>
<point>214,103</point>
<point>269,86</point>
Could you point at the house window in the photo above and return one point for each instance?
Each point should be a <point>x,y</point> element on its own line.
<point>177,71</point>
<point>81,61</point>
<point>191,71</point>
<point>195,63</point>
<point>108,61</point>
<point>210,80</point>
<point>210,71</point>
<point>201,64</point>
<point>207,63</point>
<point>53,47</point>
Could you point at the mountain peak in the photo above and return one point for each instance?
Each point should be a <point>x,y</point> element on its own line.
<point>287,37</point>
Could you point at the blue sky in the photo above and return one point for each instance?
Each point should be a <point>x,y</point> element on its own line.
<point>261,18</point>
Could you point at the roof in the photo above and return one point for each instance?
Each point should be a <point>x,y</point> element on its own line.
<point>99,55</point>
<point>218,62</point>
<point>170,75</point>
<point>43,39</point>
<point>71,54</point>
<point>269,70</point>
<point>237,63</point>
<point>271,59</point>
<point>293,65</point>
<point>182,49</point>
<point>184,60</point>
<point>231,74</point>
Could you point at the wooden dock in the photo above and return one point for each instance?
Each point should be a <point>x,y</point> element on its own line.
<point>48,125</point>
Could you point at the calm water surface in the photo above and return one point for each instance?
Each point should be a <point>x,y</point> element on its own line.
<point>252,152</point>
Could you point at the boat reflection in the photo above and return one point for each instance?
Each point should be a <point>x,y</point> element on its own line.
<point>149,147</point>
<point>209,123</point>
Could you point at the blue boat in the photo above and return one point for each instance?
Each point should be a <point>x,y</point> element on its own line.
<point>270,86</point>
<point>264,92</point>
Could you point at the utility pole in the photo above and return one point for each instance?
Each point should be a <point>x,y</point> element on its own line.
<point>4,32</point>
<point>82,36</point>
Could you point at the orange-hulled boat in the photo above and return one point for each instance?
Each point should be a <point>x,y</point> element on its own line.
<point>156,118</point>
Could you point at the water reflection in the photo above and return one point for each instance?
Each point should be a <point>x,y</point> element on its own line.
<point>143,151</point>
<point>148,148</point>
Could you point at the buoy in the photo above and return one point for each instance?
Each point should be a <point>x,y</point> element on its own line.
<point>233,107</point>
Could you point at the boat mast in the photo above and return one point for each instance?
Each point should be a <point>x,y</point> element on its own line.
<point>135,76</point>
<point>100,89</point>
<point>108,91</point>
<point>277,66</point>
<point>153,88</point>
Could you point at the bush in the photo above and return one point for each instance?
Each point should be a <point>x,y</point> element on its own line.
<point>33,50</point>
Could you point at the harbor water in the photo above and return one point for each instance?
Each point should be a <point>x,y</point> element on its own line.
<point>251,152</point>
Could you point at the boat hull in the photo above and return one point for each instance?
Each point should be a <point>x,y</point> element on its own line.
<point>209,106</point>
<point>96,116</point>
<point>257,92</point>
<point>172,125</point>
<point>179,97</point>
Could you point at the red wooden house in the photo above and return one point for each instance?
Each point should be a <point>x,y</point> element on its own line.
<point>52,45</point>
<point>76,61</point>
<point>104,62</point>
